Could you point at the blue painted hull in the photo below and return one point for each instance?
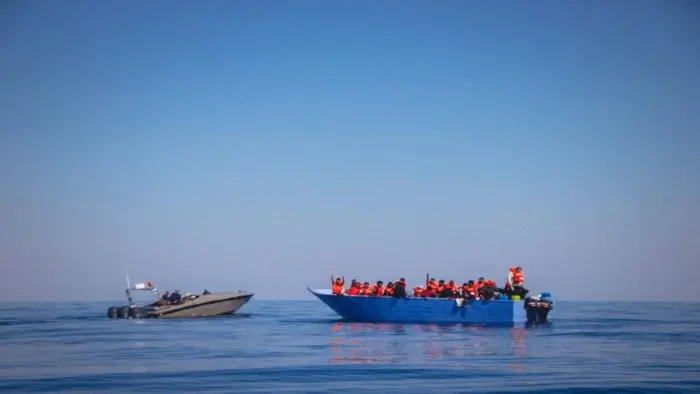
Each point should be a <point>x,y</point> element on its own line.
<point>423,310</point>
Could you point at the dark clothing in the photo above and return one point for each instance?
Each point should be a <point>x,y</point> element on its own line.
<point>175,298</point>
<point>519,291</point>
<point>446,293</point>
<point>399,291</point>
<point>487,293</point>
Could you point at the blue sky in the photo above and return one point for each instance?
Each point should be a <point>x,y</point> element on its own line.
<point>265,144</point>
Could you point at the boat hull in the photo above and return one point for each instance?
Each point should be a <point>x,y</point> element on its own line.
<point>205,306</point>
<point>423,310</point>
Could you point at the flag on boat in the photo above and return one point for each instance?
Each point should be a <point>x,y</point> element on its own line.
<point>142,286</point>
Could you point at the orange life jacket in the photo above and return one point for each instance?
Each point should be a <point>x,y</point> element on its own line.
<point>379,291</point>
<point>354,291</point>
<point>469,290</point>
<point>389,291</point>
<point>518,277</point>
<point>417,291</point>
<point>337,289</point>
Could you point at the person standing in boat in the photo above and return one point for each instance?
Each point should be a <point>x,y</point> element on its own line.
<point>337,285</point>
<point>516,282</point>
<point>399,290</point>
<point>516,277</point>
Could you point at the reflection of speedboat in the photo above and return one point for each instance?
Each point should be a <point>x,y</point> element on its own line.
<point>436,310</point>
<point>196,305</point>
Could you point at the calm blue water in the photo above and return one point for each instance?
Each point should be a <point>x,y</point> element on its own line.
<point>299,346</point>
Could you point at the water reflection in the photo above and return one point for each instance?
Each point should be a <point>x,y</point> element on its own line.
<point>369,343</point>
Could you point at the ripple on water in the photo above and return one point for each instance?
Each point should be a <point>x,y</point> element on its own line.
<point>302,347</point>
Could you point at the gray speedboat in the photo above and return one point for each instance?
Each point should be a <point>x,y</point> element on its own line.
<point>191,305</point>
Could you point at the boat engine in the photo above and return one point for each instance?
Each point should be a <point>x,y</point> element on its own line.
<point>130,312</point>
<point>538,307</point>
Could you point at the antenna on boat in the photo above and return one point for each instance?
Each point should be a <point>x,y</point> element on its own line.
<point>128,293</point>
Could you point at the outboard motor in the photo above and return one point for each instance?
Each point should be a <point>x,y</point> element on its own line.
<point>538,307</point>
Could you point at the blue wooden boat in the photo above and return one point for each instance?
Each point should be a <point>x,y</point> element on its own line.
<point>437,310</point>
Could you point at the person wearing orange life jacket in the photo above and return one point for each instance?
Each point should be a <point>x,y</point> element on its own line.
<point>366,289</point>
<point>488,290</point>
<point>370,290</point>
<point>473,289</point>
<point>418,291</point>
<point>337,285</point>
<point>468,290</point>
<point>354,289</point>
<point>447,290</point>
<point>430,282</point>
<point>440,286</point>
<point>389,291</point>
<point>516,281</point>
<point>516,276</point>
<point>430,292</point>
<point>378,289</point>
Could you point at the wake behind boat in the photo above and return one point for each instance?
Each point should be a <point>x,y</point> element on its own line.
<point>189,306</point>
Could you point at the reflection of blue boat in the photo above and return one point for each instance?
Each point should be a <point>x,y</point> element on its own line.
<point>426,310</point>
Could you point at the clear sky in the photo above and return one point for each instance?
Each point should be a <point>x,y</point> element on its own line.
<point>263,145</point>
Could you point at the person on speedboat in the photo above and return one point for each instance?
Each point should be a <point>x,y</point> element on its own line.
<point>164,299</point>
<point>175,297</point>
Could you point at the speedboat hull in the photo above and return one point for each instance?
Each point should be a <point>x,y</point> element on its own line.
<point>206,305</point>
<point>424,310</point>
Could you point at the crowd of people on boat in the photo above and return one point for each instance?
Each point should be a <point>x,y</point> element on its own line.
<point>482,289</point>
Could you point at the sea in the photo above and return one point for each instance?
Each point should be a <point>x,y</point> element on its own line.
<point>302,347</point>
